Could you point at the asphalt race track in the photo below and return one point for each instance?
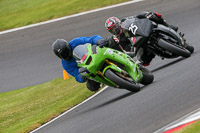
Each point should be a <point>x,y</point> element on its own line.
<point>27,59</point>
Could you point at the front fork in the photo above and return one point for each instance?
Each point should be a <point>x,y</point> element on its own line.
<point>123,72</point>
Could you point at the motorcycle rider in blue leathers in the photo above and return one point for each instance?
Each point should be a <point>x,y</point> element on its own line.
<point>64,51</point>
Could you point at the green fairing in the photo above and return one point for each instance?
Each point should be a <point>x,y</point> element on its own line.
<point>96,62</point>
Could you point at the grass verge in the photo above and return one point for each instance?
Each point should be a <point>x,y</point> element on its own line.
<point>17,13</point>
<point>25,109</point>
<point>193,128</point>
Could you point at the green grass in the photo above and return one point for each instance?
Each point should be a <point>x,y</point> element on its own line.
<point>17,13</point>
<point>24,109</point>
<point>193,128</point>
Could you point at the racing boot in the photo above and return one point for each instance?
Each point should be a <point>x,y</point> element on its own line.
<point>173,27</point>
<point>92,85</point>
<point>159,19</point>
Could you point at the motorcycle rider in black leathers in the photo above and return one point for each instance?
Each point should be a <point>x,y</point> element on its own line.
<point>120,42</point>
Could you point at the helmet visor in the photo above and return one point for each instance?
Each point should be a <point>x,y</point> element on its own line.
<point>115,29</point>
<point>66,53</point>
<point>65,56</point>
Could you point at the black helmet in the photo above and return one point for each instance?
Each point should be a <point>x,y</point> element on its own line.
<point>62,49</point>
<point>113,25</point>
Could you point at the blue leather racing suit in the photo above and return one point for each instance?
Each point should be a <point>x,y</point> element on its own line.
<point>70,65</point>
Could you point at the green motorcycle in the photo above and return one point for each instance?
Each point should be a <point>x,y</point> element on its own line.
<point>111,67</point>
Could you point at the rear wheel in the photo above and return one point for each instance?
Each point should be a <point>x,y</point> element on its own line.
<point>122,82</point>
<point>174,49</point>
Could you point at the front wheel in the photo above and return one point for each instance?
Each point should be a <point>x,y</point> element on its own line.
<point>174,49</point>
<point>123,83</point>
<point>189,48</point>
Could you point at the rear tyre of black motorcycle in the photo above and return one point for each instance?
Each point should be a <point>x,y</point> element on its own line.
<point>121,81</point>
<point>176,50</point>
<point>147,76</point>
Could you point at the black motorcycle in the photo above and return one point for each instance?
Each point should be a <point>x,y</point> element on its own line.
<point>156,38</point>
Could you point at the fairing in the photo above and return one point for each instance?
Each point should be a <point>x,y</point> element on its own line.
<point>138,27</point>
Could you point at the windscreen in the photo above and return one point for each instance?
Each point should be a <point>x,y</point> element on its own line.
<point>80,50</point>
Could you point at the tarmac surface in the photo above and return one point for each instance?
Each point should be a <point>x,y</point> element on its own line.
<point>26,59</point>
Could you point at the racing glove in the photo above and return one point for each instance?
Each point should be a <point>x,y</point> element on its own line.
<point>102,43</point>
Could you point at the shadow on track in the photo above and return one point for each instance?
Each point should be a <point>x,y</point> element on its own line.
<point>108,102</point>
<point>116,99</point>
<point>131,93</point>
<point>112,100</point>
<point>175,61</point>
<point>166,65</point>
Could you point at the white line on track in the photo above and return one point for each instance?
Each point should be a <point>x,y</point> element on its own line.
<point>188,118</point>
<point>70,109</point>
<point>59,19</point>
<point>195,115</point>
<point>55,20</point>
<point>71,16</point>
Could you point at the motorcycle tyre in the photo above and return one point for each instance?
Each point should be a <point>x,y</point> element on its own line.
<point>176,50</point>
<point>121,81</point>
<point>190,48</point>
